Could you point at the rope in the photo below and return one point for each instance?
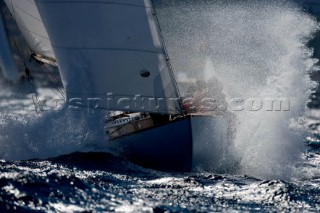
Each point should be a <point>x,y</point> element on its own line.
<point>23,49</point>
<point>60,92</point>
<point>171,73</point>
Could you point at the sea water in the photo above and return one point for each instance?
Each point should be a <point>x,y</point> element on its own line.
<point>256,49</point>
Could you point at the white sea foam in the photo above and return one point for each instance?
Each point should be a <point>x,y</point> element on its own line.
<point>257,49</point>
<point>50,134</point>
<point>26,133</point>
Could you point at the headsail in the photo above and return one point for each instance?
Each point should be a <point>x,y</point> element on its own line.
<point>30,24</point>
<point>7,64</point>
<point>110,54</point>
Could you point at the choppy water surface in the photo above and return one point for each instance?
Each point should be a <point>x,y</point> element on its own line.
<point>101,182</point>
<point>256,49</point>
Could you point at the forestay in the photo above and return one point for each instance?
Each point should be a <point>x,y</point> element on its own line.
<point>7,64</point>
<point>110,54</point>
<point>30,24</point>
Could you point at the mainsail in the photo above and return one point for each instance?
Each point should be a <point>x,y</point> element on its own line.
<point>7,64</point>
<point>30,24</point>
<point>110,54</point>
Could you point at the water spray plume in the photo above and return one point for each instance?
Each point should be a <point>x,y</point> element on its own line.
<point>257,50</point>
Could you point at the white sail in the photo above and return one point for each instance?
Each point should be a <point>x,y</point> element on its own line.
<point>30,24</point>
<point>7,64</point>
<point>110,54</point>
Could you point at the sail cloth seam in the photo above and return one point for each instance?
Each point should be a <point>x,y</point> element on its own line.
<point>24,28</point>
<point>14,16</point>
<point>91,2</point>
<point>29,22</point>
<point>25,12</point>
<point>15,43</point>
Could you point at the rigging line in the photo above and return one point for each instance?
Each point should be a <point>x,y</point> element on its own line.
<point>29,14</point>
<point>20,54</point>
<point>27,71</point>
<point>35,98</point>
<point>157,22</point>
<point>26,29</point>
<point>14,17</point>
<point>31,85</point>
<point>56,81</point>
<point>60,92</point>
<point>55,90</point>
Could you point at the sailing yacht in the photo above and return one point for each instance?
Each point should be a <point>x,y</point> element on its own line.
<point>111,56</point>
